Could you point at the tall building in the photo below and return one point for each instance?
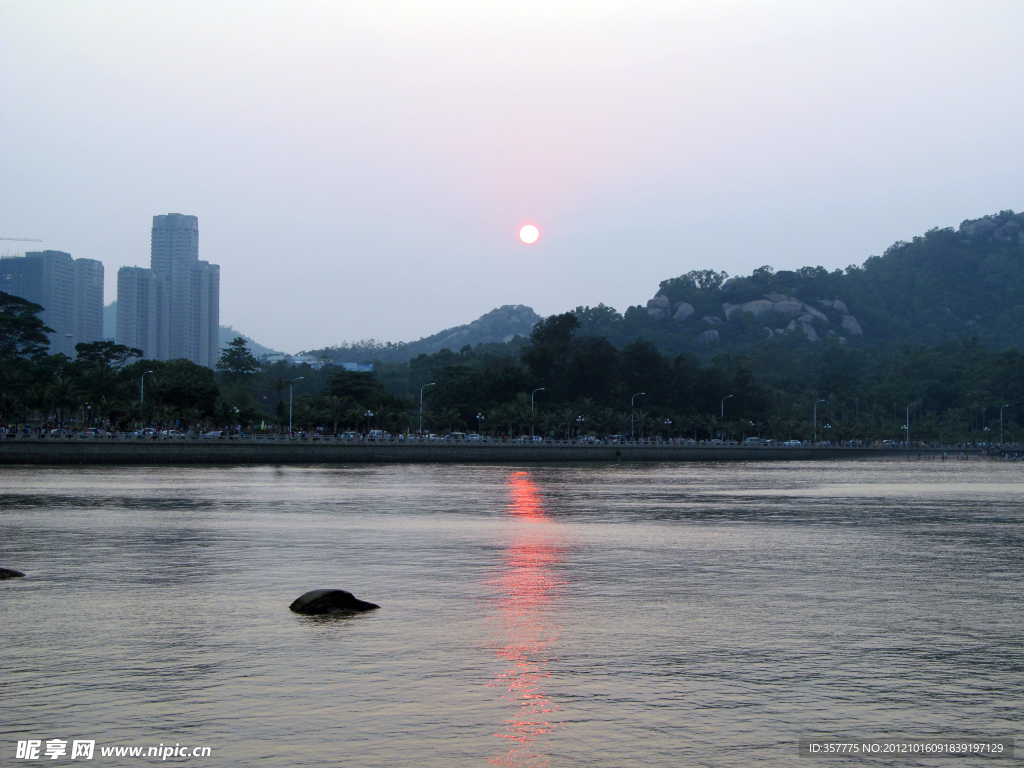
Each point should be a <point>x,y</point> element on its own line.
<point>138,310</point>
<point>172,309</point>
<point>69,290</point>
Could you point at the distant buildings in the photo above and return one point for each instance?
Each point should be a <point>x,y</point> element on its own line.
<point>316,363</point>
<point>172,309</point>
<point>69,290</point>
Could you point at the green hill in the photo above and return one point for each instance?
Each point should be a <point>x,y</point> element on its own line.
<point>945,285</point>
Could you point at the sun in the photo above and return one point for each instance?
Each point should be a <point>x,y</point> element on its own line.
<point>529,234</point>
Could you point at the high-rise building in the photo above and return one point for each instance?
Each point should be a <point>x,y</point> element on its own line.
<point>138,310</point>
<point>172,309</point>
<point>69,290</point>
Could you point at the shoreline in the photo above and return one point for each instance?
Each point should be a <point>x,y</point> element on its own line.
<point>134,452</point>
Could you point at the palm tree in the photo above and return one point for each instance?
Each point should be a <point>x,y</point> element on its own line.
<point>567,417</point>
<point>66,397</point>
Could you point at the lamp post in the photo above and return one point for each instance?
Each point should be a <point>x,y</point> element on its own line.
<point>723,414</point>
<point>668,428</point>
<point>421,406</point>
<point>632,415</point>
<point>538,389</point>
<point>142,388</point>
<point>579,428</point>
<point>291,389</point>
<point>816,418</point>
<point>1001,423</point>
<point>369,415</point>
<point>907,425</point>
<point>142,395</point>
<point>479,428</point>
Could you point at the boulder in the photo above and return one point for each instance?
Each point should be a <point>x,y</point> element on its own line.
<point>1020,238</point>
<point>659,305</point>
<point>713,320</point>
<point>815,313</point>
<point>757,308</point>
<point>978,226</point>
<point>320,601</point>
<point>841,306</point>
<point>729,309</point>
<point>809,330</point>
<point>683,311</point>
<point>788,308</point>
<point>775,298</point>
<point>769,333</point>
<point>851,325</point>
<point>708,337</point>
<point>10,573</point>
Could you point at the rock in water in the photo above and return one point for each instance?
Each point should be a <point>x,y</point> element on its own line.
<point>320,601</point>
<point>10,573</point>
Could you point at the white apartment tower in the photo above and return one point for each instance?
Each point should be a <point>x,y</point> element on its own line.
<point>171,310</point>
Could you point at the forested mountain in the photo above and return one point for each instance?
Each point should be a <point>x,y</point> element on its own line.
<point>499,326</point>
<point>945,285</point>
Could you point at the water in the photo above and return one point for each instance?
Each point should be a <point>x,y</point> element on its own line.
<point>663,615</point>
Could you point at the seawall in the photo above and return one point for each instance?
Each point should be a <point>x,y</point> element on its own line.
<point>302,452</point>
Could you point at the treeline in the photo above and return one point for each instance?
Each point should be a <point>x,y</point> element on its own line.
<point>563,382</point>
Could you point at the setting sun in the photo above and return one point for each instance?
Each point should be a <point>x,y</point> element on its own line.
<point>529,234</point>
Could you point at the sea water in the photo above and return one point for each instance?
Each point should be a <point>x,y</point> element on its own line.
<point>619,615</point>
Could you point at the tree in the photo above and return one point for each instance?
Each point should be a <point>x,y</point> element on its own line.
<point>22,333</point>
<point>237,361</point>
<point>107,354</point>
<point>359,387</point>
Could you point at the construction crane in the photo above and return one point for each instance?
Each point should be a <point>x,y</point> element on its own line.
<point>22,239</point>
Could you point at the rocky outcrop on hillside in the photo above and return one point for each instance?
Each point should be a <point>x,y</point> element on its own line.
<point>1010,230</point>
<point>801,315</point>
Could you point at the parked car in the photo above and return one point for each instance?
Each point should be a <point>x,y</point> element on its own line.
<point>212,434</point>
<point>145,433</point>
<point>792,443</point>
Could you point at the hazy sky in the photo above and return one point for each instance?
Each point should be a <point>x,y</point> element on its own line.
<point>362,169</point>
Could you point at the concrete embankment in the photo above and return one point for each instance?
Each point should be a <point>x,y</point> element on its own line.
<point>303,452</point>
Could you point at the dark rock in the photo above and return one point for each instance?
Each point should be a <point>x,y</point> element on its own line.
<point>10,573</point>
<point>320,601</point>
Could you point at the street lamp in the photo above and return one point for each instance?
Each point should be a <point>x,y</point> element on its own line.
<point>579,428</point>
<point>538,389</point>
<point>723,405</point>
<point>291,389</point>
<point>723,414</point>
<point>816,418</point>
<point>142,388</point>
<point>632,415</point>
<point>369,415</point>
<point>668,428</point>
<point>907,425</point>
<point>479,429</point>
<point>421,405</point>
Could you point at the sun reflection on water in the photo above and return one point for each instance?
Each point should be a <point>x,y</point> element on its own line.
<point>527,590</point>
